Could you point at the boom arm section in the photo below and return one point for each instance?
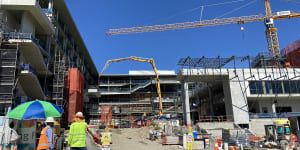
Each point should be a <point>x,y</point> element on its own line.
<point>151,61</point>
<point>196,24</point>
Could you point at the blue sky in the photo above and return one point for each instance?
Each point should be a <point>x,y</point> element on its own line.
<point>94,17</point>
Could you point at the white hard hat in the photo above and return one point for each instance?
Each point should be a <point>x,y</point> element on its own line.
<point>50,119</point>
<point>79,114</point>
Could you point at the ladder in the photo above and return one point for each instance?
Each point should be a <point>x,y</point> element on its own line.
<point>61,67</point>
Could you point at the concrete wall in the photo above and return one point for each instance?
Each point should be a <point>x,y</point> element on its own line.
<point>258,125</point>
<point>12,23</point>
<point>295,104</point>
<point>215,125</point>
<point>238,98</point>
<point>227,99</point>
<point>27,24</point>
<point>20,91</point>
<point>215,128</point>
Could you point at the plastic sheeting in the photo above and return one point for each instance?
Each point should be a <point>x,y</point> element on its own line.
<point>75,96</point>
<point>106,114</point>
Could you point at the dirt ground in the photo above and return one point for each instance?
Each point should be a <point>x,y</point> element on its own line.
<point>135,138</point>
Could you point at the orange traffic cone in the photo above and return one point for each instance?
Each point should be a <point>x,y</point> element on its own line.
<point>293,140</point>
<point>216,145</point>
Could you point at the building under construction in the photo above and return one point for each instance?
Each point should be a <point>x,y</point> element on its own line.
<point>39,43</point>
<point>241,89</point>
<point>134,96</point>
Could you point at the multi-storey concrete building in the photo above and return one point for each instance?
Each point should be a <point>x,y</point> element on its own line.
<point>237,94</point>
<point>39,43</point>
<point>131,95</point>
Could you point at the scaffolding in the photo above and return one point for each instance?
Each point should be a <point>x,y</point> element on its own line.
<point>9,59</point>
<point>134,96</point>
<point>8,71</point>
<point>60,71</point>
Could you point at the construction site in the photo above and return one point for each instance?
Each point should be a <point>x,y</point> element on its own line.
<point>215,103</point>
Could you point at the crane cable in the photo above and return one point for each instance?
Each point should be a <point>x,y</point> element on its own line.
<point>291,1</point>
<point>194,9</point>
<point>234,10</point>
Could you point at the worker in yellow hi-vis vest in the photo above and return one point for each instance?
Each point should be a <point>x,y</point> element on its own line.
<point>105,140</point>
<point>77,134</point>
<point>190,139</point>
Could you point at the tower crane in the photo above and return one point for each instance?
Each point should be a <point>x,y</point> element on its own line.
<point>151,61</point>
<point>271,31</point>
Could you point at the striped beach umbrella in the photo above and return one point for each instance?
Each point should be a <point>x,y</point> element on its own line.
<point>35,110</point>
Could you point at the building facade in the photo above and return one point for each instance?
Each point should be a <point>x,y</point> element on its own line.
<point>134,95</point>
<point>240,95</point>
<point>39,43</point>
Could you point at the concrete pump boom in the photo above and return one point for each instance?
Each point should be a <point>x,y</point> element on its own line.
<point>151,61</point>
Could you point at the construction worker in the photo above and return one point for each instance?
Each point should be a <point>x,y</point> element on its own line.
<point>9,135</point>
<point>105,140</point>
<point>47,136</point>
<point>77,134</point>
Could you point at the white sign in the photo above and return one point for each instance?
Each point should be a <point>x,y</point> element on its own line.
<point>27,135</point>
<point>283,13</point>
<point>190,138</point>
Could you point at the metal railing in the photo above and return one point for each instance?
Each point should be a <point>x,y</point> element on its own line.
<point>24,36</point>
<point>273,115</point>
<point>215,118</point>
<point>8,57</point>
<point>112,82</point>
<point>29,68</point>
<point>126,89</point>
<point>46,10</point>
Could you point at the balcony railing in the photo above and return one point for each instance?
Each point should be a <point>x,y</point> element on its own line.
<point>273,115</point>
<point>27,67</point>
<point>30,69</point>
<point>113,82</point>
<point>24,36</point>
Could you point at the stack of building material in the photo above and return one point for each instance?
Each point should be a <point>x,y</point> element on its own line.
<point>239,140</point>
<point>170,140</point>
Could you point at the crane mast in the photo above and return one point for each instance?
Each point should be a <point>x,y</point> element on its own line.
<point>271,32</point>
